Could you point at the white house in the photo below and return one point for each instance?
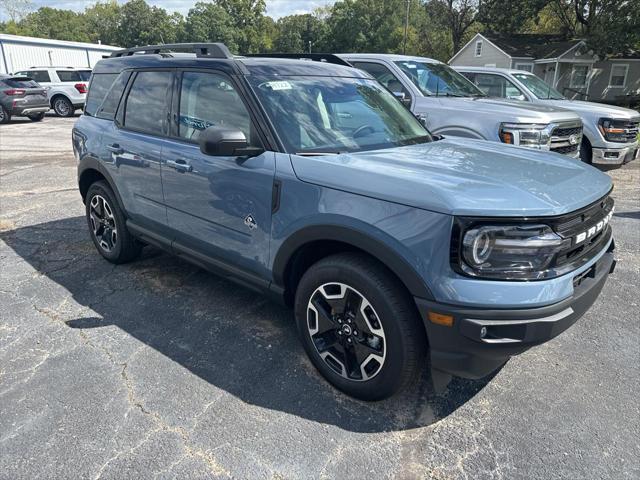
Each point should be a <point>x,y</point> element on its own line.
<point>19,53</point>
<point>568,65</point>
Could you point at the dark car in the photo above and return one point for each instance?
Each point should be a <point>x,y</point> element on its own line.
<point>23,97</point>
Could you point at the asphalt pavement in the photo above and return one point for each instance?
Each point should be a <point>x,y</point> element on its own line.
<point>157,369</point>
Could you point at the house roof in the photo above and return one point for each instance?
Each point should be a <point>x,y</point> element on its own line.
<point>532,45</point>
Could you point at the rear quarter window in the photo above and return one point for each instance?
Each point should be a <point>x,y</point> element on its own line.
<point>69,76</point>
<point>98,88</point>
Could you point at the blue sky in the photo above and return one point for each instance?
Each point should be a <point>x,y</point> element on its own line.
<point>275,8</point>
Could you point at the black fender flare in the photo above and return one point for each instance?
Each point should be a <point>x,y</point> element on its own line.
<point>91,163</point>
<point>360,240</point>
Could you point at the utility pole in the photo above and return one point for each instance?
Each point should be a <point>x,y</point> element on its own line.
<point>309,46</point>
<point>406,27</point>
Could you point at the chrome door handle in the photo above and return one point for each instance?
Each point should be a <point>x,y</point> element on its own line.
<point>115,148</point>
<point>180,165</point>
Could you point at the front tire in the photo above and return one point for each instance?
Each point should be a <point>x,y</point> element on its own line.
<point>359,327</point>
<point>107,225</point>
<point>63,107</point>
<point>586,152</point>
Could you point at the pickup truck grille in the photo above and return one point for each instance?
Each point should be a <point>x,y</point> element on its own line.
<point>591,221</point>
<point>631,127</point>
<point>566,138</point>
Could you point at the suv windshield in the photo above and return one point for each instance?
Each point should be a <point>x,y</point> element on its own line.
<point>538,87</point>
<point>438,79</point>
<point>335,115</point>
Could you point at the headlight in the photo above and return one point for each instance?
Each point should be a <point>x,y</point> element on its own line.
<point>612,130</point>
<point>508,252</point>
<point>527,134</point>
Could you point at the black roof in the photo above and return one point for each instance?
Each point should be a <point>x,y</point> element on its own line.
<point>533,45</point>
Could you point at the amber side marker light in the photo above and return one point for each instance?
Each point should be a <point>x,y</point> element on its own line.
<point>440,319</point>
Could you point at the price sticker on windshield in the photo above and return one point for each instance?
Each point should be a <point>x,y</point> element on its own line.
<point>279,85</point>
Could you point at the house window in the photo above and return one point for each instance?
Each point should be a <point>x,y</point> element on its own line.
<point>618,78</point>
<point>527,67</point>
<point>579,76</point>
<point>479,48</point>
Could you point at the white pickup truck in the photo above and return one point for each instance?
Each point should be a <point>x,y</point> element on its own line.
<point>66,86</point>
<point>610,132</point>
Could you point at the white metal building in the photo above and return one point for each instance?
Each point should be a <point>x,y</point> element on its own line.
<point>18,53</point>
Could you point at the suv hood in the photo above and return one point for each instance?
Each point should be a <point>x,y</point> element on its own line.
<point>599,109</point>
<point>462,177</point>
<point>510,110</point>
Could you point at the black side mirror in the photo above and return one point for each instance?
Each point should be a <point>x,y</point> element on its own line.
<point>226,142</point>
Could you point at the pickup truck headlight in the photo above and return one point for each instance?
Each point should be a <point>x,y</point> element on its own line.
<point>612,132</point>
<point>527,134</point>
<point>506,252</point>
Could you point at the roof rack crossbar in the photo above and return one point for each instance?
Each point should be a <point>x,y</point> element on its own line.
<point>202,50</point>
<point>317,57</point>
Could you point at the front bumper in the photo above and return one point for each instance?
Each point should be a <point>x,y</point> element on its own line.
<point>615,156</point>
<point>481,340</point>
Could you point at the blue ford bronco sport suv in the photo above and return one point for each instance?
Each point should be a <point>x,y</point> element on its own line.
<point>310,181</point>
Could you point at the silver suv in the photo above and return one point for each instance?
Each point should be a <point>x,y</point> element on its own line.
<point>66,86</point>
<point>610,132</point>
<point>451,105</point>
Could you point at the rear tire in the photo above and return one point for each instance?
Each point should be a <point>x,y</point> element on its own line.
<point>359,327</point>
<point>5,117</point>
<point>107,225</point>
<point>63,107</point>
<point>37,117</point>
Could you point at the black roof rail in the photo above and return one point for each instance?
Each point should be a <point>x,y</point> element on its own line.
<point>202,50</point>
<point>317,57</point>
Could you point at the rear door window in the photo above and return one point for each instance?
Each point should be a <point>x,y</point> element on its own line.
<point>147,103</point>
<point>69,76</point>
<point>98,89</point>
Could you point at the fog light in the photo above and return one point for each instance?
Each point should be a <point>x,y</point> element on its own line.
<point>483,332</point>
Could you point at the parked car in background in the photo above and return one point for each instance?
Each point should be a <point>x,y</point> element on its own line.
<point>21,97</point>
<point>449,104</point>
<point>310,182</point>
<point>610,132</point>
<point>66,86</point>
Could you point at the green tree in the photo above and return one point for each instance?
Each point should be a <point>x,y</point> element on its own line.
<point>141,24</point>
<point>208,22</point>
<point>457,16</point>
<point>247,18</point>
<point>103,22</point>
<point>509,16</point>
<point>609,26</point>
<point>298,33</point>
<point>366,25</point>
<point>55,24</point>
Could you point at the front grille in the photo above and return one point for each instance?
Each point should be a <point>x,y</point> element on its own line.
<point>586,220</point>
<point>566,150</point>
<point>566,138</point>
